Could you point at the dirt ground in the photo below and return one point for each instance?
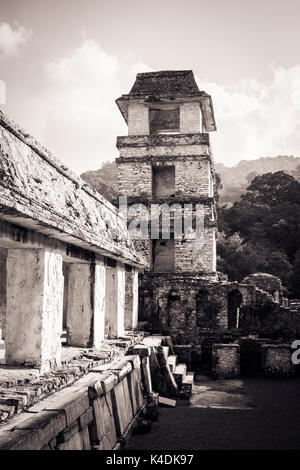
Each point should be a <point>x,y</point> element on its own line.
<point>248,414</point>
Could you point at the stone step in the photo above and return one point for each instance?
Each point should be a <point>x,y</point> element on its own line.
<point>179,373</point>
<point>166,341</point>
<point>188,379</point>
<point>166,401</point>
<point>152,341</point>
<point>166,351</point>
<point>187,386</point>
<point>172,361</point>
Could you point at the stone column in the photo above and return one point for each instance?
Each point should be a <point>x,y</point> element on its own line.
<point>115,300</point>
<point>121,299</point>
<point>99,304</point>
<point>131,299</point>
<point>34,308</point>
<point>80,314</point>
<point>3,255</point>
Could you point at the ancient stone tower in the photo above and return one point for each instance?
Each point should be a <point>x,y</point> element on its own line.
<point>166,159</point>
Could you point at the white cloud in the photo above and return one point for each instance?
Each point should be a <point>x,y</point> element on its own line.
<point>78,118</point>
<point>255,118</point>
<point>79,121</point>
<point>12,40</point>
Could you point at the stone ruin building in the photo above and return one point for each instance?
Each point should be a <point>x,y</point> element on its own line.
<point>76,289</point>
<point>167,158</point>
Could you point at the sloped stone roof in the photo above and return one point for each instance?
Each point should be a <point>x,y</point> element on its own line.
<point>165,82</point>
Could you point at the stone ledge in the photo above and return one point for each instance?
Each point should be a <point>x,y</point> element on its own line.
<point>20,394</point>
<point>162,139</point>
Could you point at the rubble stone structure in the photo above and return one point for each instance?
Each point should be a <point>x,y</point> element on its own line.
<point>68,262</point>
<point>66,259</point>
<point>166,161</point>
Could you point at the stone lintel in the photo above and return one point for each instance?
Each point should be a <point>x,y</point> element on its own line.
<point>162,140</point>
<point>163,159</point>
<point>20,236</point>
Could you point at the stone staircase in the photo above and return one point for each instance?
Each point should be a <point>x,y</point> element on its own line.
<point>178,371</point>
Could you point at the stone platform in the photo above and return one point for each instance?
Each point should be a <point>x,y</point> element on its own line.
<point>21,388</point>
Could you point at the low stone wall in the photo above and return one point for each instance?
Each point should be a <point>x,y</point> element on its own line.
<point>266,357</point>
<point>251,356</point>
<point>225,361</point>
<point>96,412</point>
<point>277,360</point>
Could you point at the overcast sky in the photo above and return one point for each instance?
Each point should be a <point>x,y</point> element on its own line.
<point>64,62</point>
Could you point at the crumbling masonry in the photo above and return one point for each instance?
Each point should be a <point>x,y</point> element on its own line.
<point>70,271</point>
<point>167,159</point>
<point>66,257</point>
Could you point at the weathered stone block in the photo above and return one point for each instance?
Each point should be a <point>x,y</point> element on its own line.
<point>135,392</point>
<point>134,360</point>
<point>73,401</point>
<point>102,429</point>
<point>277,360</point>
<point>225,361</point>
<point>74,443</point>
<point>122,407</point>
<point>20,440</point>
<point>48,424</point>
<point>141,350</point>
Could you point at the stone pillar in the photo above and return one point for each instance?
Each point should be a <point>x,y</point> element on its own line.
<point>99,304</point>
<point>34,308</point>
<point>115,300</point>
<point>131,299</point>
<point>190,118</point>
<point>80,304</point>
<point>3,255</point>
<point>121,299</point>
<point>138,119</point>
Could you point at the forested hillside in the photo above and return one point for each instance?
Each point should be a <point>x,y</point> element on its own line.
<point>234,179</point>
<point>261,231</point>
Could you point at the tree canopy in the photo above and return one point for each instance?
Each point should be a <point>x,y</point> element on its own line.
<point>261,231</point>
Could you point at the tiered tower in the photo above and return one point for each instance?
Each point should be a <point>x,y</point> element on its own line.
<point>166,158</point>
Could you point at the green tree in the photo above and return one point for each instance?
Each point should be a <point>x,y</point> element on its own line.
<point>271,189</point>
<point>261,232</point>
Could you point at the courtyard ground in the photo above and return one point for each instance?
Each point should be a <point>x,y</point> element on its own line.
<point>248,414</point>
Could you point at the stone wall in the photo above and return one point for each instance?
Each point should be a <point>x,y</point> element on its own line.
<point>192,163</point>
<point>189,117</point>
<point>96,412</point>
<point>171,304</point>
<point>268,318</point>
<point>40,193</point>
<point>225,361</point>
<point>58,242</point>
<point>138,119</point>
<point>3,255</point>
<point>193,307</point>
